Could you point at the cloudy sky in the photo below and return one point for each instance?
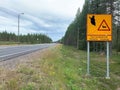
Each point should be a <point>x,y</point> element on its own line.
<point>50,17</point>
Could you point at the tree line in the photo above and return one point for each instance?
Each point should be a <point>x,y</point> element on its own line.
<point>76,31</point>
<point>29,38</point>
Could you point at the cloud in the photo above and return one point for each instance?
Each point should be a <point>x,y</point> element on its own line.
<point>50,17</point>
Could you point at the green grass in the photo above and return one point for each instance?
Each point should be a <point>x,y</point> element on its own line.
<point>64,68</point>
<point>69,67</point>
<point>7,43</point>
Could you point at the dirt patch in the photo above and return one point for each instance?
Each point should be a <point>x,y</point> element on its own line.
<point>118,89</point>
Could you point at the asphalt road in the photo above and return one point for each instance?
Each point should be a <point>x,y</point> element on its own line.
<point>8,52</point>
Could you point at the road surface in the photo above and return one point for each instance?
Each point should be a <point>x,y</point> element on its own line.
<point>8,52</point>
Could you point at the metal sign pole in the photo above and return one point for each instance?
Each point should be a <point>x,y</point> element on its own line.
<point>107,75</point>
<point>88,58</point>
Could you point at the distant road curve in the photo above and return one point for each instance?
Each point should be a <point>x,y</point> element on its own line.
<point>8,52</point>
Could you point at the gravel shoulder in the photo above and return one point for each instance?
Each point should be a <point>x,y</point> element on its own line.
<point>13,63</point>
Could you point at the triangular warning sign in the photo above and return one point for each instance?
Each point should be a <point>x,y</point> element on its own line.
<point>103,26</point>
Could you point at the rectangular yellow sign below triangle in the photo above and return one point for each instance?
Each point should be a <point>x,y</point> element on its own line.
<point>99,27</point>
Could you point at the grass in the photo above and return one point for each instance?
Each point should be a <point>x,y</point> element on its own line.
<point>63,68</point>
<point>7,43</point>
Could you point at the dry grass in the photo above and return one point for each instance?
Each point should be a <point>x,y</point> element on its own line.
<point>25,74</point>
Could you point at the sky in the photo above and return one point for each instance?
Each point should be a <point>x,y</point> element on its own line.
<point>49,17</point>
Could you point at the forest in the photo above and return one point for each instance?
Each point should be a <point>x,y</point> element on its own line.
<point>28,39</point>
<point>76,31</point>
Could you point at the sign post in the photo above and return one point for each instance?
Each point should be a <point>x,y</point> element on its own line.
<point>99,28</point>
<point>107,75</point>
<point>88,58</point>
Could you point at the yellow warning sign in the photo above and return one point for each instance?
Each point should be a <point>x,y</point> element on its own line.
<point>99,27</point>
